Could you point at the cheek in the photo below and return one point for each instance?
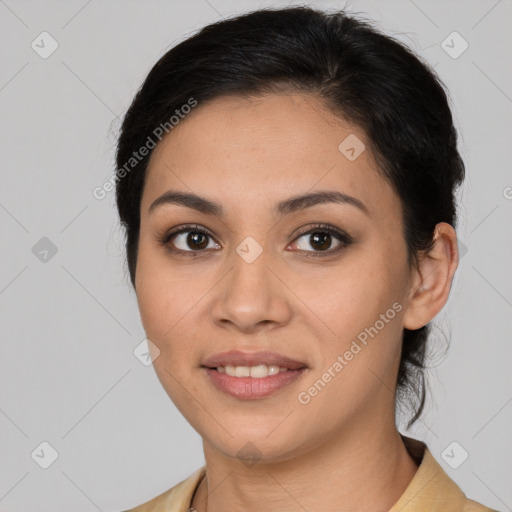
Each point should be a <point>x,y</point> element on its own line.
<point>164,302</point>
<point>171,299</point>
<point>154,301</point>
<point>362,305</point>
<point>160,296</point>
<point>357,361</point>
<point>354,296</point>
<point>163,309</point>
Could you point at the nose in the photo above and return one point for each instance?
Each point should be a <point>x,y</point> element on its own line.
<point>252,296</point>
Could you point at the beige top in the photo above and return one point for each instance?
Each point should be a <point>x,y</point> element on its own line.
<point>431,489</point>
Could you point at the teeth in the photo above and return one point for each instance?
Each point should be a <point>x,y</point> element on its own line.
<point>257,372</point>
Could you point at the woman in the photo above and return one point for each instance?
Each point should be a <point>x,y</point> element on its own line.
<point>286,180</point>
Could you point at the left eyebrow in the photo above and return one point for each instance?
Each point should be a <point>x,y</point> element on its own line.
<point>308,200</point>
<point>286,207</point>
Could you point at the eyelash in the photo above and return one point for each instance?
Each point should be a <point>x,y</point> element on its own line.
<point>342,237</point>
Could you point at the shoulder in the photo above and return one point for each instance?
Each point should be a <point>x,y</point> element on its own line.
<point>431,488</point>
<point>176,499</point>
<point>473,506</point>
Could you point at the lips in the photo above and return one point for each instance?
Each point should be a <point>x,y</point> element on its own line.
<point>238,358</point>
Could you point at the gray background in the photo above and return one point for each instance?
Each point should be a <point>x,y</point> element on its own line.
<point>70,321</point>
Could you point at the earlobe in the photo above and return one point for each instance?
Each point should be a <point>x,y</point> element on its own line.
<point>432,279</point>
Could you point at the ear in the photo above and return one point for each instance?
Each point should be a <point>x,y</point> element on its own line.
<point>432,279</point>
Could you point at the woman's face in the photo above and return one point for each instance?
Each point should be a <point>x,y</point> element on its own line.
<point>262,280</point>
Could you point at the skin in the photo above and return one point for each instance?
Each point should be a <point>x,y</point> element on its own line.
<point>342,451</point>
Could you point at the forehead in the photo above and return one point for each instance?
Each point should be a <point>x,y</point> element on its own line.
<point>264,148</point>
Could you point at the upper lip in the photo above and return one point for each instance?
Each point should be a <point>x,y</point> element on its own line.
<point>237,358</point>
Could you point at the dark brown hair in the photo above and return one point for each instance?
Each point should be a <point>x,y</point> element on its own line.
<point>363,75</point>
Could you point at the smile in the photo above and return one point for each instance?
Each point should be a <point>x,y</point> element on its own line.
<point>252,387</point>
<point>257,372</point>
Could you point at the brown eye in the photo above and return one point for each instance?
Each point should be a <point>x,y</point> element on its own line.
<point>192,240</point>
<point>189,240</point>
<point>318,240</point>
<point>322,239</point>
<point>197,240</point>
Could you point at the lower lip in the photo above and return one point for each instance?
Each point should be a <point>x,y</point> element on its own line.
<point>250,388</point>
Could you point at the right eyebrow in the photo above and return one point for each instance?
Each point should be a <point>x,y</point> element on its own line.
<point>189,200</point>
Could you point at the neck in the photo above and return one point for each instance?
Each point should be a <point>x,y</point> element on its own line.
<point>353,471</point>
